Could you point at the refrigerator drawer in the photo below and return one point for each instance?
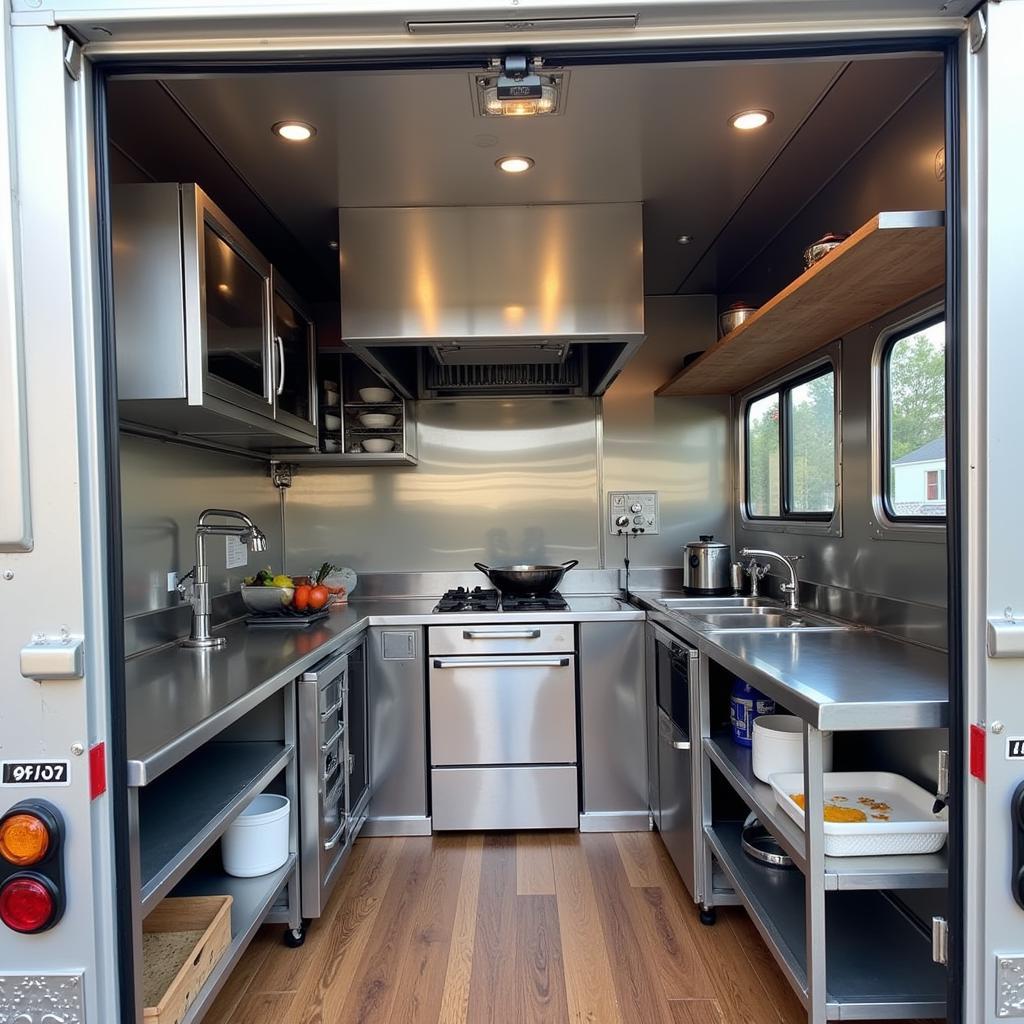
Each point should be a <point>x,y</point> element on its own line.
<point>536,796</point>
<point>503,710</point>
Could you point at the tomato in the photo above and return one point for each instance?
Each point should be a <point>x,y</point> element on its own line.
<point>300,602</point>
<point>318,596</point>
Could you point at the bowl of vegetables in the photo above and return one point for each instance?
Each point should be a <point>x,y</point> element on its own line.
<point>280,594</point>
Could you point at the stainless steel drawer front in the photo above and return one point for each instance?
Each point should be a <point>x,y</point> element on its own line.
<point>539,796</point>
<point>503,710</point>
<point>501,638</point>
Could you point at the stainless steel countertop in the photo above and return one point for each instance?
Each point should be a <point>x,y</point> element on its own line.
<point>178,699</point>
<point>841,680</point>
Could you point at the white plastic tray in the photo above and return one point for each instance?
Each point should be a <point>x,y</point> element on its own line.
<point>911,827</point>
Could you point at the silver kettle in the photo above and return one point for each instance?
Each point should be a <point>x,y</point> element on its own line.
<point>706,566</point>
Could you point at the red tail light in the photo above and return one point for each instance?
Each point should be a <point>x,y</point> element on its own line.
<point>28,903</point>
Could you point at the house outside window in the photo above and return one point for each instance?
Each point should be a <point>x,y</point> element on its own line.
<point>919,480</point>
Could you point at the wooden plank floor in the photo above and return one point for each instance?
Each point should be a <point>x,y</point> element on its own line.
<point>506,928</point>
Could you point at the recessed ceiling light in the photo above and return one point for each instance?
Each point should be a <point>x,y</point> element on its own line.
<point>294,131</point>
<point>748,120</point>
<point>514,164</point>
<point>684,239</point>
<point>223,288</point>
<point>333,245</point>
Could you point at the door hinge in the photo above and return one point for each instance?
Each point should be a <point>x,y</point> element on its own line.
<point>940,940</point>
<point>281,474</point>
<point>72,59</point>
<point>977,29</point>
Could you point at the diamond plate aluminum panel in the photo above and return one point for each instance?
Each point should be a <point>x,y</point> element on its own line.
<point>1009,986</point>
<point>41,999</point>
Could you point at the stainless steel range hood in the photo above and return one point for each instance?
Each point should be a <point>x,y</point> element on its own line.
<point>494,299</point>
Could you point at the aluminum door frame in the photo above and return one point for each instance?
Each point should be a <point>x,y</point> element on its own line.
<point>68,580</point>
<point>992,140</point>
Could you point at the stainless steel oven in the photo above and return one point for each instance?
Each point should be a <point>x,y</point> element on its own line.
<point>503,726</point>
<point>333,769</point>
<point>673,728</point>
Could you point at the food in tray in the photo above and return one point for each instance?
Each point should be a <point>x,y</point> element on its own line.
<point>867,813</point>
<point>833,812</point>
<point>299,595</point>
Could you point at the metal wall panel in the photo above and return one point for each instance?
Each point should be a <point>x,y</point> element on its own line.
<point>679,447</point>
<point>498,481</point>
<point>164,487</point>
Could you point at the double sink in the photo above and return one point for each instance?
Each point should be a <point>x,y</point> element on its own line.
<point>746,614</point>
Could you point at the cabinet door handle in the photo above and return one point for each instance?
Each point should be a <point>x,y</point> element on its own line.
<point>333,841</point>
<point>280,363</point>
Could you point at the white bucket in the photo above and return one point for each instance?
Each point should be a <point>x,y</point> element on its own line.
<point>256,843</point>
<point>778,746</point>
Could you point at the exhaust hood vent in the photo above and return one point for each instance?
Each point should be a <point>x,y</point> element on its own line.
<point>585,23</point>
<point>494,287</point>
<point>468,379</point>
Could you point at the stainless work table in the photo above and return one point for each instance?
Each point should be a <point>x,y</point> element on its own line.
<point>841,679</point>
<point>178,699</point>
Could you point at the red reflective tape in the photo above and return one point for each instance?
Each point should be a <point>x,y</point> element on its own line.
<point>97,770</point>
<point>977,752</point>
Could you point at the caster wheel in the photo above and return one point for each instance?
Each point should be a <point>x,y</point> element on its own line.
<point>708,917</point>
<point>294,937</point>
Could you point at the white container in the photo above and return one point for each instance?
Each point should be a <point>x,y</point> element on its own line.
<point>778,746</point>
<point>374,395</point>
<point>332,422</point>
<point>256,843</point>
<point>331,397</point>
<point>377,419</point>
<point>378,444</point>
<point>906,825</point>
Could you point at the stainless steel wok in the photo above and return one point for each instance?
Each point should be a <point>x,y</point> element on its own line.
<point>526,580</point>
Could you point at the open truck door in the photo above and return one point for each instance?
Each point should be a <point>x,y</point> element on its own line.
<point>58,828</point>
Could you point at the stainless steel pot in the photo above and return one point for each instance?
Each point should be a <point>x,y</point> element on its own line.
<point>526,580</point>
<point>706,566</point>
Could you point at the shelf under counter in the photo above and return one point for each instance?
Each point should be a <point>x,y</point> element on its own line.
<point>912,871</point>
<point>253,900</point>
<point>879,962</point>
<point>184,812</point>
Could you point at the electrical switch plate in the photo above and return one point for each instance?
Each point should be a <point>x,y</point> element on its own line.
<point>237,554</point>
<point>639,507</point>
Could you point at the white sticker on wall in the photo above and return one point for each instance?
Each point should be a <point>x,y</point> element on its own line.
<point>237,554</point>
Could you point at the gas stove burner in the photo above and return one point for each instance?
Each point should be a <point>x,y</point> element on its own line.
<point>552,602</point>
<point>463,600</point>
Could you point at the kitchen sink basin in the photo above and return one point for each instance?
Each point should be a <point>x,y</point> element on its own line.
<point>678,604</point>
<point>768,619</point>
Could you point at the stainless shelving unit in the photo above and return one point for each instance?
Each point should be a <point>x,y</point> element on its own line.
<point>834,924</point>
<point>191,786</point>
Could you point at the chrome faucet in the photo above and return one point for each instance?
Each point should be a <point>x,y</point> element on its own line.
<point>198,593</point>
<point>790,589</point>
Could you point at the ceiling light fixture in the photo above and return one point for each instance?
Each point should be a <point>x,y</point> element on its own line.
<point>684,239</point>
<point>294,131</point>
<point>514,164</point>
<point>748,120</point>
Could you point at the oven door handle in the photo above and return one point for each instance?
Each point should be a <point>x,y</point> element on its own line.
<point>331,843</point>
<point>523,661</point>
<point>324,747</point>
<point>501,634</point>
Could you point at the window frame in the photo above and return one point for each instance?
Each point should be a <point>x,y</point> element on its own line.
<point>827,359</point>
<point>882,416</point>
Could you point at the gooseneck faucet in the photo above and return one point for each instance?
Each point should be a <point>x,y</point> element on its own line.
<point>790,589</point>
<point>199,592</point>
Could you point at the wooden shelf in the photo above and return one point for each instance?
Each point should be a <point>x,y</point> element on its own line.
<point>890,261</point>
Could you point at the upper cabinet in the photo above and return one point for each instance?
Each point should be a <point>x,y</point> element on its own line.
<point>209,342</point>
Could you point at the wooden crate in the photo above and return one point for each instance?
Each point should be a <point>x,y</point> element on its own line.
<point>182,941</point>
